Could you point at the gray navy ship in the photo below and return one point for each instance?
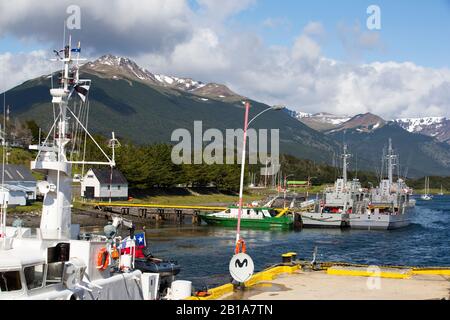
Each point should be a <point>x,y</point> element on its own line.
<point>390,204</point>
<point>339,202</point>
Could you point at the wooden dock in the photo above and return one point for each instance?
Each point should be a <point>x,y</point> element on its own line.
<point>155,212</point>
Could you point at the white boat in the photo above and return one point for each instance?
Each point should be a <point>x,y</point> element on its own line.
<point>338,203</point>
<point>391,204</point>
<point>427,196</point>
<point>50,262</point>
<point>441,193</point>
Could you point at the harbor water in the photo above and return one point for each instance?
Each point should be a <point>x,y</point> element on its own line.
<point>204,252</point>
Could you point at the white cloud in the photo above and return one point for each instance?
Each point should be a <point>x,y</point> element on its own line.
<point>314,28</point>
<point>17,68</point>
<point>129,27</point>
<point>305,48</point>
<point>273,23</point>
<point>358,41</point>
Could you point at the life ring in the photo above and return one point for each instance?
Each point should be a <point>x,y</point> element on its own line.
<point>102,259</point>
<point>240,247</point>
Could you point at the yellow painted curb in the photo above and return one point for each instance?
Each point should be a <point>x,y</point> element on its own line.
<point>266,275</point>
<point>216,293</point>
<point>366,273</point>
<point>271,274</point>
<point>432,272</point>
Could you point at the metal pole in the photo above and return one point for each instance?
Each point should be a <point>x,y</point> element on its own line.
<point>241,188</point>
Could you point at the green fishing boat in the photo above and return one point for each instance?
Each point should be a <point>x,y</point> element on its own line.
<point>252,218</point>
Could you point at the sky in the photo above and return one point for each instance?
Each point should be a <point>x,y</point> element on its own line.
<point>308,55</point>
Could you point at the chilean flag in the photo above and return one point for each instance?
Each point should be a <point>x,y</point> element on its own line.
<point>140,240</point>
<point>126,246</point>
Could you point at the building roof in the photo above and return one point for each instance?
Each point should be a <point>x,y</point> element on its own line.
<point>104,176</point>
<point>15,173</point>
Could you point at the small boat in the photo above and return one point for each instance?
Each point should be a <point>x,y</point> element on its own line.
<point>153,265</point>
<point>252,218</point>
<point>426,196</point>
<point>441,193</point>
<point>144,259</point>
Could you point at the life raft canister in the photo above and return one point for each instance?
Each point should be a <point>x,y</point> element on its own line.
<point>102,259</point>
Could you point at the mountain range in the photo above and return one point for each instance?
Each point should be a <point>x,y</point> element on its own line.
<point>146,107</point>
<point>436,127</point>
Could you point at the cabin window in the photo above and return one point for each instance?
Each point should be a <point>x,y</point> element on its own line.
<point>34,276</point>
<point>54,273</point>
<point>90,176</point>
<point>273,213</point>
<point>10,281</point>
<point>118,187</point>
<point>109,187</point>
<point>228,211</point>
<point>248,212</point>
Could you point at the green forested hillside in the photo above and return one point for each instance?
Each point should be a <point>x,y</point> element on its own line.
<point>420,155</point>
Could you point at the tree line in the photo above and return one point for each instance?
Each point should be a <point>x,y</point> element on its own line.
<point>151,166</point>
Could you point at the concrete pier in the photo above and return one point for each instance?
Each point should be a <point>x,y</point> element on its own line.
<point>298,281</point>
<point>322,286</point>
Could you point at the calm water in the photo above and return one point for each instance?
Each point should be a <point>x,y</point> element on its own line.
<point>204,252</point>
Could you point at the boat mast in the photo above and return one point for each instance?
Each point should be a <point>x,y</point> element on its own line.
<point>52,157</point>
<point>390,158</point>
<point>52,160</point>
<point>345,156</point>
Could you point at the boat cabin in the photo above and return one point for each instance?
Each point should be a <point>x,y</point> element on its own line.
<point>248,213</point>
<point>30,270</point>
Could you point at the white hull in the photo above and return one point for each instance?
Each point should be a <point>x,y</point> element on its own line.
<point>380,221</point>
<point>118,287</point>
<point>325,220</point>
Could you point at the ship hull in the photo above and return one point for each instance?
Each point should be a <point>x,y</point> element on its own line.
<point>324,220</point>
<point>266,223</point>
<point>380,221</point>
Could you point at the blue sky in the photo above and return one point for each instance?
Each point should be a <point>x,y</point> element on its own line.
<point>417,31</point>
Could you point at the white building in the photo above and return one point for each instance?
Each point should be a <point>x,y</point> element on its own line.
<point>19,183</point>
<point>98,184</point>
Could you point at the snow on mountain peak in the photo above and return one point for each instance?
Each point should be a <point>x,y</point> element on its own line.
<point>118,67</point>
<point>418,124</point>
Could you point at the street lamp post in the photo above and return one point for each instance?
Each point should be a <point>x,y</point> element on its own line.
<point>241,187</point>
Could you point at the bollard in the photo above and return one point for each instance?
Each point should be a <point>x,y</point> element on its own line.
<point>286,258</point>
